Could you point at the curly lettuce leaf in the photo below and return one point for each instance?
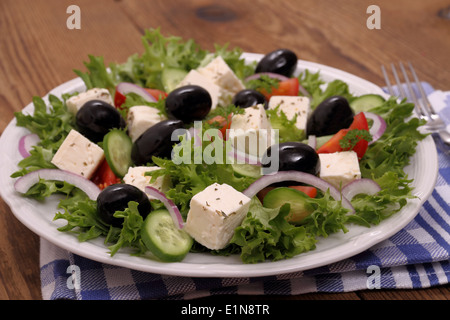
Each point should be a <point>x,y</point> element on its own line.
<point>52,125</point>
<point>314,85</point>
<point>265,234</point>
<point>287,129</point>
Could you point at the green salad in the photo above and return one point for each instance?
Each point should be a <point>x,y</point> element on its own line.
<point>283,215</point>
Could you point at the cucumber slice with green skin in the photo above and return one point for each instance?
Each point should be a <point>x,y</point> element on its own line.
<point>117,147</point>
<point>171,77</point>
<point>297,200</point>
<point>163,238</point>
<point>366,102</point>
<point>247,170</point>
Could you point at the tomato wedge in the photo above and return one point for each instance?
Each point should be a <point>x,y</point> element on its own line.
<point>104,176</point>
<point>288,87</point>
<point>309,191</point>
<point>333,145</point>
<point>156,93</point>
<point>119,99</point>
<point>224,124</point>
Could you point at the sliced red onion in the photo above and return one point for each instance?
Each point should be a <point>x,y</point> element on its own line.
<point>128,87</point>
<point>312,141</point>
<point>360,186</point>
<point>242,157</point>
<point>268,74</point>
<point>297,176</point>
<point>26,143</point>
<point>24,183</point>
<point>378,127</point>
<point>171,207</point>
<point>303,91</point>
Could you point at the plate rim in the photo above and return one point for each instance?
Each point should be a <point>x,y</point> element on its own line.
<point>123,259</point>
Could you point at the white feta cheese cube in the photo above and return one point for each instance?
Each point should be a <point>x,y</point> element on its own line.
<point>221,74</point>
<point>251,132</point>
<point>339,168</point>
<point>76,102</point>
<point>196,78</point>
<point>214,214</point>
<point>136,177</point>
<point>79,155</point>
<point>292,106</point>
<point>140,118</point>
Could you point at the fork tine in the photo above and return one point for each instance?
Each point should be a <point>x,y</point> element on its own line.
<point>424,97</point>
<point>386,79</point>
<point>399,84</point>
<point>413,94</point>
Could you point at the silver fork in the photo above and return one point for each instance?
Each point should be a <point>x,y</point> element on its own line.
<point>423,107</point>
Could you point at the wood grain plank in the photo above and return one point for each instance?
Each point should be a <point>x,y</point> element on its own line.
<point>341,40</point>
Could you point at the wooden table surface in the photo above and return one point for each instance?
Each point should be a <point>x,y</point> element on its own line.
<point>39,52</point>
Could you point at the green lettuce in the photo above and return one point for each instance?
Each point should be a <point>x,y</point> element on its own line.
<point>265,234</point>
<point>52,125</point>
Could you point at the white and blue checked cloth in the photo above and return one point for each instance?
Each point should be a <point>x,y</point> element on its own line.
<point>416,257</point>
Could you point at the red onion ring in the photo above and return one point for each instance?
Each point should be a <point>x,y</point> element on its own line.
<point>366,186</point>
<point>26,142</point>
<point>242,157</point>
<point>268,74</point>
<point>378,127</point>
<point>170,206</point>
<point>24,183</point>
<point>128,87</point>
<point>297,176</point>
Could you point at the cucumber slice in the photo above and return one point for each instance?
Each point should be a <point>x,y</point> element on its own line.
<point>163,239</point>
<point>171,77</point>
<point>299,207</point>
<point>247,170</point>
<point>117,147</point>
<point>366,102</point>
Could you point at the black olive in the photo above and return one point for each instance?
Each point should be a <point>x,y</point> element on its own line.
<point>330,116</point>
<point>188,103</point>
<point>116,197</point>
<point>248,98</point>
<point>96,117</point>
<point>292,156</point>
<point>281,61</point>
<point>155,141</point>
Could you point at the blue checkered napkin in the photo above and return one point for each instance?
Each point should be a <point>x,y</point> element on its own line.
<point>416,257</point>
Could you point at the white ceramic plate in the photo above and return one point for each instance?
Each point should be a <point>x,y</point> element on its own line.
<point>39,216</point>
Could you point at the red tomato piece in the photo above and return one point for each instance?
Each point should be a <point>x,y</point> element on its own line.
<point>309,191</point>
<point>288,87</point>
<point>333,145</point>
<point>224,124</point>
<point>156,93</point>
<point>104,176</point>
<point>119,99</point>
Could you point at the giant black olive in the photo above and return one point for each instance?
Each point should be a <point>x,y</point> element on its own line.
<point>116,197</point>
<point>281,61</point>
<point>96,117</point>
<point>291,156</point>
<point>188,103</point>
<point>249,98</point>
<point>155,141</point>
<point>330,116</point>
